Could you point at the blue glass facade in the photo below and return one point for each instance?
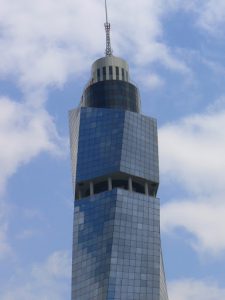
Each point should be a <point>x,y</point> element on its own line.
<point>113,140</point>
<point>114,257</point>
<point>100,142</point>
<point>116,234</point>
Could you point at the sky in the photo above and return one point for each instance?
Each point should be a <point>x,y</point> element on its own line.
<point>176,51</point>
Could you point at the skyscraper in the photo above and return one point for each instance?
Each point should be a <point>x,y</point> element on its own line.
<point>114,150</point>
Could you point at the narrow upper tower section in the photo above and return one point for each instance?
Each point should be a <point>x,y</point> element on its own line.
<point>108,50</point>
<point>110,85</point>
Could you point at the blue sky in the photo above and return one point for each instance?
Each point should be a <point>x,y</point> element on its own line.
<point>176,50</point>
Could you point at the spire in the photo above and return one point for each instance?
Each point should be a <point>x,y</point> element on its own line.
<point>108,50</point>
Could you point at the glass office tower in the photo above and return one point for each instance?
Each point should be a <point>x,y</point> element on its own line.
<point>114,150</point>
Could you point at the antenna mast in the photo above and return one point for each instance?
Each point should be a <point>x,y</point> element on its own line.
<point>108,50</point>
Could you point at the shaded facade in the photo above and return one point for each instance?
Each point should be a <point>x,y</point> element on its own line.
<point>114,151</point>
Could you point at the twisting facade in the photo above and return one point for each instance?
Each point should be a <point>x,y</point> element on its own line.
<point>114,150</point>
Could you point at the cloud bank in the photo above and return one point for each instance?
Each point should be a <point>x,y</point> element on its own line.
<point>192,156</point>
<point>47,280</point>
<point>195,290</point>
<point>25,132</point>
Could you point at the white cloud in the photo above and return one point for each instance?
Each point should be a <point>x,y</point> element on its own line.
<point>140,33</point>
<point>192,156</point>
<point>212,16</point>
<point>56,266</point>
<point>45,281</point>
<point>24,133</point>
<point>192,152</point>
<point>209,14</point>
<point>45,42</point>
<point>151,81</point>
<point>203,218</point>
<point>195,290</point>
